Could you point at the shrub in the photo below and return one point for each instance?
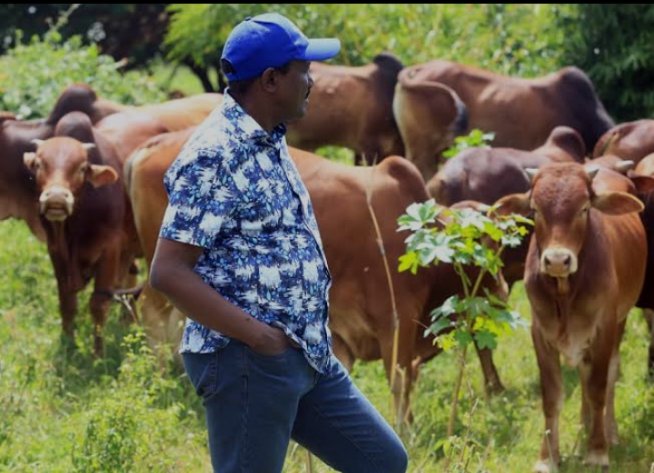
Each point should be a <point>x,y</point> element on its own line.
<point>33,75</point>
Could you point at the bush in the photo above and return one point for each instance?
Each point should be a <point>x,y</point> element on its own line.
<point>33,75</point>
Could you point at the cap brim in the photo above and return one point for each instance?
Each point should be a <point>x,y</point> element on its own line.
<point>321,49</point>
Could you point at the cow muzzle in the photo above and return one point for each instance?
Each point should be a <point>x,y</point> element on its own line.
<point>56,203</point>
<point>558,262</point>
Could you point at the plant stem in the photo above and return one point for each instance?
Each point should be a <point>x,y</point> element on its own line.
<point>457,390</point>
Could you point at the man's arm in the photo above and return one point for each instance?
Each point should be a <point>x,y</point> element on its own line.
<point>172,274</point>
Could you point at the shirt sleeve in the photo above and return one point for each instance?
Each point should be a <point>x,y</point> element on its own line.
<point>201,202</point>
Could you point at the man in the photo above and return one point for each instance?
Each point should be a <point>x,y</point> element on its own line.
<point>239,253</point>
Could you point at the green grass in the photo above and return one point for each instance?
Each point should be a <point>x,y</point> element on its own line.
<point>63,411</point>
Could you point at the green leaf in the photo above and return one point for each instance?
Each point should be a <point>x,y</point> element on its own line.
<point>486,339</point>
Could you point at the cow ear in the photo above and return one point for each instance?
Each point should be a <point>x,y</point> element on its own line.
<point>644,184</point>
<point>617,203</point>
<point>512,204</point>
<point>101,175</point>
<point>29,159</point>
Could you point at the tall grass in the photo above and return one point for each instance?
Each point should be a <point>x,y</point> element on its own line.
<point>63,411</point>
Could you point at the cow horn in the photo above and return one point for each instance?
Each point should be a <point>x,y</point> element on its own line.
<point>38,142</point>
<point>88,146</point>
<point>623,166</point>
<point>531,173</point>
<point>592,171</point>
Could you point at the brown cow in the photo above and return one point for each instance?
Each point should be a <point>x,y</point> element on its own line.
<point>360,308</point>
<point>83,210</point>
<point>429,115</point>
<point>18,193</point>
<point>584,272</point>
<point>521,112</point>
<point>352,107</point>
<point>85,213</point>
<point>631,140</point>
<point>487,174</point>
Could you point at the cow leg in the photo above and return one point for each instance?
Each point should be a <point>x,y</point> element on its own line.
<point>597,391</point>
<point>610,423</point>
<point>649,318</point>
<point>67,307</point>
<point>584,375</point>
<point>105,280</point>
<point>492,382</point>
<point>551,386</point>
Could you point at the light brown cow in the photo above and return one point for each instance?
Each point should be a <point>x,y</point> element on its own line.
<point>361,317</point>
<point>584,272</point>
<point>521,112</point>
<point>429,116</point>
<point>631,140</point>
<point>351,107</point>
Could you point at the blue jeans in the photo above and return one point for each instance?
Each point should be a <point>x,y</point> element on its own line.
<point>256,403</point>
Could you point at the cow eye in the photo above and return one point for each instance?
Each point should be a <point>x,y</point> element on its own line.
<point>83,169</point>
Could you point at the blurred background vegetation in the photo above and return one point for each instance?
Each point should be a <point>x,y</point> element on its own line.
<point>177,46</point>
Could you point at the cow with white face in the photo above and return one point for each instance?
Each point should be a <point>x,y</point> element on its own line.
<point>584,272</point>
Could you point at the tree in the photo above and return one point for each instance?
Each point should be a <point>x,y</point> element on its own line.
<point>613,44</point>
<point>131,31</point>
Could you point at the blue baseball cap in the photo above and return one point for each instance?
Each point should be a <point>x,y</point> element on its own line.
<point>271,40</point>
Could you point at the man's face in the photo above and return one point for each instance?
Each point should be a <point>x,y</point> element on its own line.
<point>295,88</point>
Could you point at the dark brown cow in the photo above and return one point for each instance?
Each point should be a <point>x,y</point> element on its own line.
<point>631,140</point>
<point>17,190</point>
<point>352,107</point>
<point>646,300</point>
<point>85,213</point>
<point>521,112</point>
<point>82,98</point>
<point>361,317</point>
<point>584,272</point>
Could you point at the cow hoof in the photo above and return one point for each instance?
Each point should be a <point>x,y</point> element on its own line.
<point>597,458</point>
<point>545,466</point>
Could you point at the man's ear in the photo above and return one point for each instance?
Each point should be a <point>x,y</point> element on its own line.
<point>269,79</point>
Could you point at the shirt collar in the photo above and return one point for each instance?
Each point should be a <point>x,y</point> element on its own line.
<point>246,127</point>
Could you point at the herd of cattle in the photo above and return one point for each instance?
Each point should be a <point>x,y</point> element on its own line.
<point>88,181</point>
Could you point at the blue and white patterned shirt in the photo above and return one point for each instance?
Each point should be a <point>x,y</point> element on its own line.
<point>234,191</point>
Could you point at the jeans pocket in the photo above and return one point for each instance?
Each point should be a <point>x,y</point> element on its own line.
<point>202,370</point>
<point>280,359</point>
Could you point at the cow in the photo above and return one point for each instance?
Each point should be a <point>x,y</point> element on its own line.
<point>175,114</point>
<point>487,174</point>
<point>351,107</point>
<point>18,193</point>
<point>17,190</point>
<point>631,140</point>
<point>584,272</point>
<point>429,116</point>
<point>361,317</point>
<point>521,112</point>
<point>645,167</point>
<point>85,213</point>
